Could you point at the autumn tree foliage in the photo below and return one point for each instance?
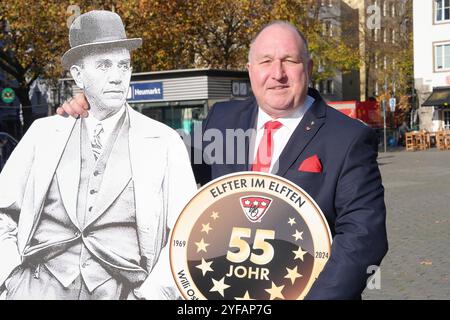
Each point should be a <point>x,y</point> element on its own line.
<point>177,34</point>
<point>32,37</point>
<point>331,53</point>
<point>200,33</point>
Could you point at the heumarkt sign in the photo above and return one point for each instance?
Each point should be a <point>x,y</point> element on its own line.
<point>8,95</point>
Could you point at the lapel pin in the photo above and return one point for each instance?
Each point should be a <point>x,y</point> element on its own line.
<point>312,123</point>
<point>308,128</point>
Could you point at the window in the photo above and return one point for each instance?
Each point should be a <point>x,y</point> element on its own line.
<point>446,119</point>
<point>330,86</point>
<point>327,28</point>
<point>375,34</point>
<point>442,9</point>
<point>320,66</point>
<point>393,9</point>
<point>389,35</point>
<point>384,6</point>
<point>322,87</point>
<point>393,36</point>
<point>442,57</point>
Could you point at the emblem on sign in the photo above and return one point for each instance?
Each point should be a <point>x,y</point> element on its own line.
<point>255,207</point>
<point>249,236</point>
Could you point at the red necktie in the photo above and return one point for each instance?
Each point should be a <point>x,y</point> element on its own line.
<point>265,149</point>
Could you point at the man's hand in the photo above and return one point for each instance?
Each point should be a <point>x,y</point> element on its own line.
<point>75,107</point>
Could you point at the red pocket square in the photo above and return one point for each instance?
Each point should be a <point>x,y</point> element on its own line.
<point>311,164</point>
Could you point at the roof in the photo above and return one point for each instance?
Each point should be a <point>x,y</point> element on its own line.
<point>439,98</point>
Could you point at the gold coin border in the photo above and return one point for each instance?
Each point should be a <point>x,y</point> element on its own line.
<point>315,221</point>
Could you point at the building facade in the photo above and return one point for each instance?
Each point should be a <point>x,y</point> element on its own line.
<point>432,62</point>
<point>334,16</point>
<point>383,30</point>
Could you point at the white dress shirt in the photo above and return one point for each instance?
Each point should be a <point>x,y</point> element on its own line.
<point>108,125</point>
<point>284,133</point>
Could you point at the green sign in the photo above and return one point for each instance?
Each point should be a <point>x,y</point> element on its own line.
<point>8,95</point>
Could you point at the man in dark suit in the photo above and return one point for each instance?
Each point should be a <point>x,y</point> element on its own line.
<point>329,155</point>
<point>297,136</point>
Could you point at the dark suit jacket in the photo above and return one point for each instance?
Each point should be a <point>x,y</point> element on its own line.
<point>349,190</point>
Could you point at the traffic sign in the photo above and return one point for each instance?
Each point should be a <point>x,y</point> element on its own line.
<point>392,104</point>
<point>8,95</point>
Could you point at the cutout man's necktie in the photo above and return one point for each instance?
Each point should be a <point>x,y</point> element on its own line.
<point>96,144</point>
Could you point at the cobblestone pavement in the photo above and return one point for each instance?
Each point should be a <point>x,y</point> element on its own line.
<point>417,186</point>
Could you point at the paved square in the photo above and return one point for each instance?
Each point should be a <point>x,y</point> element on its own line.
<point>417,195</point>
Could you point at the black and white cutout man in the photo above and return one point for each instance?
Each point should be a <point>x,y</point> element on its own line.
<point>86,205</point>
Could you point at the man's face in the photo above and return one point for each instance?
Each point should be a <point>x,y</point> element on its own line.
<point>105,78</point>
<point>278,72</point>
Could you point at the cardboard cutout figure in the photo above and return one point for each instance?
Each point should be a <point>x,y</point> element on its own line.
<point>87,205</point>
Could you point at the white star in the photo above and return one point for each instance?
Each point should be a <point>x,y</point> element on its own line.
<point>205,266</point>
<point>255,203</point>
<point>206,228</point>
<point>219,286</point>
<point>275,292</point>
<point>292,221</point>
<point>245,297</point>
<point>201,246</point>
<point>215,215</point>
<point>299,253</point>
<point>292,274</point>
<point>298,235</point>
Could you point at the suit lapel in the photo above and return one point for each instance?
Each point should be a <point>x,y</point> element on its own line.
<point>246,120</point>
<point>148,167</point>
<point>311,123</point>
<point>48,155</point>
<point>68,173</point>
<point>49,147</point>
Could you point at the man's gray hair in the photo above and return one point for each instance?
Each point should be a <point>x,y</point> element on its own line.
<point>289,25</point>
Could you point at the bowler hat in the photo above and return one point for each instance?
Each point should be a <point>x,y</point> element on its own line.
<point>96,29</point>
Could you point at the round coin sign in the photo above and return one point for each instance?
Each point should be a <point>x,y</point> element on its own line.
<point>8,95</point>
<point>249,236</point>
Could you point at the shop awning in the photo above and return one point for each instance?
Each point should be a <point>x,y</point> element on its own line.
<point>439,98</point>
